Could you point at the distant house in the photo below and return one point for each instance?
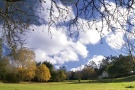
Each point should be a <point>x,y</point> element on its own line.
<point>103,75</point>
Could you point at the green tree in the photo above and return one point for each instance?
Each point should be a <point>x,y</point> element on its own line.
<point>43,73</point>
<point>78,76</point>
<point>58,76</point>
<point>49,65</point>
<point>4,63</point>
<point>54,76</point>
<point>121,66</point>
<point>8,72</point>
<point>61,75</point>
<point>72,75</point>
<point>88,73</point>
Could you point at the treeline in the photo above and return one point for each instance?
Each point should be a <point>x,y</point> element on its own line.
<point>114,66</point>
<point>20,66</point>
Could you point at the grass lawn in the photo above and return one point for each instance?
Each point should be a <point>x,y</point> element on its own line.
<point>69,86</point>
<point>124,83</point>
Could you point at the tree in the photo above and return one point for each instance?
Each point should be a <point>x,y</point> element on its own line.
<point>13,0</point>
<point>27,73</point>
<point>16,16</point>
<point>61,75</point>
<point>55,76</point>
<point>49,65</point>
<point>103,65</point>
<point>4,63</point>
<point>52,71</point>
<point>8,72</point>
<point>24,59</point>
<point>43,73</point>
<point>122,66</point>
<point>72,75</point>
<point>78,76</point>
<point>88,73</point>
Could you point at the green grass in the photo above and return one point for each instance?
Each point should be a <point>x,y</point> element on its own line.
<point>122,79</point>
<point>125,83</point>
<point>69,86</point>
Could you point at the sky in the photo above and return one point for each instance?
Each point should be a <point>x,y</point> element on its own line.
<point>73,52</point>
<point>62,50</point>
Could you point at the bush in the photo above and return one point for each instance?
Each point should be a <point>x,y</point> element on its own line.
<point>12,78</point>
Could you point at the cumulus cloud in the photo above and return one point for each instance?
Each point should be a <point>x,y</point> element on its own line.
<point>97,59</point>
<point>89,37</point>
<point>57,48</point>
<point>91,32</point>
<point>80,49</point>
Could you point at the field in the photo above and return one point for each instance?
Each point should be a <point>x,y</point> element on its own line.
<point>126,83</point>
<point>69,86</point>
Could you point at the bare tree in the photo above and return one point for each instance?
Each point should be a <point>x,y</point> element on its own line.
<point>16,16</point>
<point>129,45</point>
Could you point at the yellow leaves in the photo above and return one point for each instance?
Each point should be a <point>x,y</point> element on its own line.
<point>25,61</point>
<point>24,54</point>
<point>43,73</point>
<point>26,73</point>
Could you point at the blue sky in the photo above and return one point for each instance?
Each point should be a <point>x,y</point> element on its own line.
<point>76,51</point>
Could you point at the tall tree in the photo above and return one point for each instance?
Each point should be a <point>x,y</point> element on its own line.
<point>24,59</point>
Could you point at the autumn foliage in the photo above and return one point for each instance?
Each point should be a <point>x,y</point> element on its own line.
<point>43,73</point>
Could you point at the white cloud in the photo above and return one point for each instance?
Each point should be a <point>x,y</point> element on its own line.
<point>97,59</point>
<point>91,32</point>
<point>89,37</point>
<point>80,49</point>
<point>42,56</point>
<point>66,56</point>
<point>58,49</point>
<point>115,40</point>
<point>40,39</point>
<point>78,68</point>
